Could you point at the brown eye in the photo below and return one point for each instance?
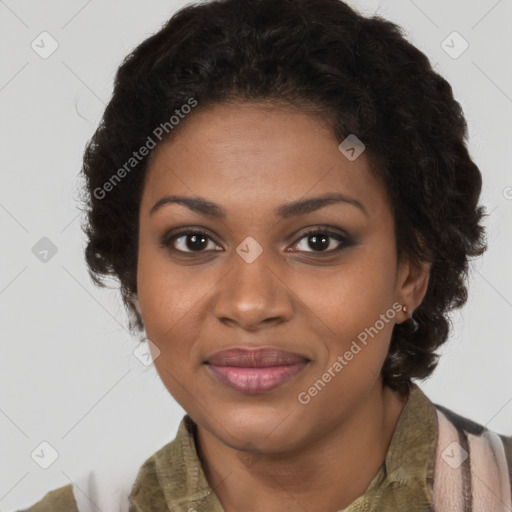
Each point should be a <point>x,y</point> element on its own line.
<point>189,242</point>
<point>322,241</point>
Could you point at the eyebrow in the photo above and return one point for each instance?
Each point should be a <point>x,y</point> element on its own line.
<point>285,211</point>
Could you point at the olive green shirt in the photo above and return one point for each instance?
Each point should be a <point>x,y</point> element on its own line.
<point>172,479</point>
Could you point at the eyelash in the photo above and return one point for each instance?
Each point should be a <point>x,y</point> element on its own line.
<point>343,240</point>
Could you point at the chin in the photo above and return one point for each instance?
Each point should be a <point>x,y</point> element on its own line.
<point>263,425</point>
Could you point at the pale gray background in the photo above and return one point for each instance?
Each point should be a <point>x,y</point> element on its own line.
<point>67,372</point>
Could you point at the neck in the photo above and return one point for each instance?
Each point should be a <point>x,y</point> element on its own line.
<point>328,473</point>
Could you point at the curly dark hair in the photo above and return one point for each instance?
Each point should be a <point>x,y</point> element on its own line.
<point>361,72</point>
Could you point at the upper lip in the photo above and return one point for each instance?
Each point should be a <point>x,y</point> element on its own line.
<point>255,358</point>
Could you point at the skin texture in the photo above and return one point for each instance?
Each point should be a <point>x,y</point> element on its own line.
<point>269,452</point>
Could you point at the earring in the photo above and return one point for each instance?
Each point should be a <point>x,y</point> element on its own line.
<point>410,325</point>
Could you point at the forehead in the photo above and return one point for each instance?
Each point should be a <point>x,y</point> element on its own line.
<point>247,153</point>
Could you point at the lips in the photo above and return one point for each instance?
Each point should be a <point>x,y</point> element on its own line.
<point>255,371</point>
<point>261,358</point>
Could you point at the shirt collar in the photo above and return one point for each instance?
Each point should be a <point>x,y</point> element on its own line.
<point>408,471</point>
<point>406,475</point>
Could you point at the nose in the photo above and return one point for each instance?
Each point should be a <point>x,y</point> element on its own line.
<point>253,295</point>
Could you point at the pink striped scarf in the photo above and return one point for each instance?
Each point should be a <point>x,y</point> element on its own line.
<point>471,471</point>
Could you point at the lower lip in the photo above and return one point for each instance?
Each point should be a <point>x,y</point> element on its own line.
<point>255,380</point>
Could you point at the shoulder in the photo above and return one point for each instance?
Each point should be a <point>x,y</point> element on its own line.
<point>146,491</point>
<point>478,458</point>
<point>159,469</point>
<point>171,475</point>
<point>468,429</point>
<point>147,488</point>
<point>58,500</point>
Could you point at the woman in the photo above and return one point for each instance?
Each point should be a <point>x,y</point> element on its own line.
<point>284,192</point>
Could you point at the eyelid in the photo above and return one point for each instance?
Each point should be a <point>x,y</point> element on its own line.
<point>171,236</point>
<point>342,237</point>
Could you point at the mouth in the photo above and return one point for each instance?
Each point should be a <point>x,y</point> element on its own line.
<point>255,371</point>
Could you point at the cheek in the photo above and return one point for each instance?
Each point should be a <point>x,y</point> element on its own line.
<point>171,311</point>
<point>352,297</point>
<point>170,305</point>
<point>162,295</point>
<point>171,317</point>
<point>353,311</point>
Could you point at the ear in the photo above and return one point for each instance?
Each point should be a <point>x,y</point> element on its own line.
<point>411,285</point>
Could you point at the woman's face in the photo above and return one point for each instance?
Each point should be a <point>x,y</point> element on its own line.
<point>256,279</point>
